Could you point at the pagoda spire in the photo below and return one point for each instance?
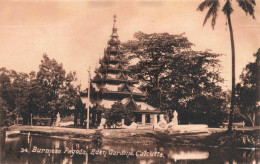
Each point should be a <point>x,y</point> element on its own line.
<point>114,26</point>
<point>114,29</point>
<point>113,43</point>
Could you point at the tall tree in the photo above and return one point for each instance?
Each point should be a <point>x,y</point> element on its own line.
<point>60,95</point>
<point>194,78</point>
<point>257,121</point>
<point>21,84</point>
<point>14,93</point>
<point>5,114</point>
<point>44,94</point>
<point>176,77</point>
<point>7,105</point>
<point>247,91</point>
<point>79,109</point>
<point>153,53</point>
<point>213,5</point>
<point>7,92</point>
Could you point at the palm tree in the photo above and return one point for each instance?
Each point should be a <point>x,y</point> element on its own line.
<point>213,5</point>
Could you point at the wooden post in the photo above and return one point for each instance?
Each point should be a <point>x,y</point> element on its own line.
<point>143,119</point>
<point>123,121</point>
<point>88,98</point>
<point>257,115</point>
<point>155,119</point>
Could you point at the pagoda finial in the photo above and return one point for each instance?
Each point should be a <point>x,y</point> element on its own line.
<point>114,42</point>
<point>114,25</point>
<point>114,18</point>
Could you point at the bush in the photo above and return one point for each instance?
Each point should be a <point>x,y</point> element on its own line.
<point>67,119</point>
<point>97,138</point>
<point>117,113</point>
<point>232,139</point>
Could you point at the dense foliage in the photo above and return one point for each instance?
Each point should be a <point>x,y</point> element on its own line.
<point>14,94</point>
<point>58,92</point>
<point>178,78</point>
<point>80,111</point>
<point>117,113</point>
<point>247,92</point>
<point>41,94</point>
<point>97,138</point>
<point>248,6</point>
<point>233,139</point>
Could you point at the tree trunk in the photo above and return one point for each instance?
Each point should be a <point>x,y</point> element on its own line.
<point>257,119</point>
<point>253,120</point>
<point>75,117</point>
<point>81,119</point>
<point>233,74</point>
<point>93,118</point>
<point>52,120</point>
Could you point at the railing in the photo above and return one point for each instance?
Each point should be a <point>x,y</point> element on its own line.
<point>36,121</point>
<point>235,124</point>
<point>144,126</point>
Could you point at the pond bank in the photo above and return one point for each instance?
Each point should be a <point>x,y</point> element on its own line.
<point>144,136</point>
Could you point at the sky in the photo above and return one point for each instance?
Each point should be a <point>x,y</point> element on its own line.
<point>75,33</point>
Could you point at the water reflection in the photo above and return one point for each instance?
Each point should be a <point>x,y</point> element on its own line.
<point>188,155</point>
<point>13,139</point>
<point>11,152</point>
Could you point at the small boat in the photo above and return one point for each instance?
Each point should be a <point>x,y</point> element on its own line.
<point>12,133</point>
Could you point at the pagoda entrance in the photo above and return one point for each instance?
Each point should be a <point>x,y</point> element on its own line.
<point>138,118</point>
<point>147,118</point>
<point>144,118</point>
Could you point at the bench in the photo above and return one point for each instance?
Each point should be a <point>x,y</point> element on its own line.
<point>235,124</point>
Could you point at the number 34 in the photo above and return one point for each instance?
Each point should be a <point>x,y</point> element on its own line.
<point>24,150</point>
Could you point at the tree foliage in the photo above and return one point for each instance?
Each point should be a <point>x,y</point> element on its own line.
<point>117,113</point>
<point>79,110</point>
<point>60,95</point>
<point>14,94</point>
<point>178,78</point>
<point>213,6</point>
<point>154,52</point>
<point>42,94</point>
<point>247,92</point>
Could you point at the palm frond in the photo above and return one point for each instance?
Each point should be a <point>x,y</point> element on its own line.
<point>205,4</point>
<point>247,6</point>
<point>213,6</point>
<point>227,8</point>
<point>213,12</point>
<point>253,2</point>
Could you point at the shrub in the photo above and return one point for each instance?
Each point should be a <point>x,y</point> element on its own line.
<point>97,138</point>
<point>117,112</point>
<point>232,139</point>
<point>67,119</point>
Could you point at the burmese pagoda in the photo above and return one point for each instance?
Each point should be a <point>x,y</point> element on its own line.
<point>112,84</point>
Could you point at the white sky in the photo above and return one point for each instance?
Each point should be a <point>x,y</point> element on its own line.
<point>75,33</point>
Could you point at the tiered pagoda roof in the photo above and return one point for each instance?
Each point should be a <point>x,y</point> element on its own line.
<point>112,82</point>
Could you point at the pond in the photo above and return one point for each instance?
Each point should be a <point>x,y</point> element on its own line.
<point>39,149</point>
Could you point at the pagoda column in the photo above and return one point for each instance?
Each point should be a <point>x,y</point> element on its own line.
<point>123,121</point>
<point>151,119</point>
<point>143,119</point>
<point>154,119</point>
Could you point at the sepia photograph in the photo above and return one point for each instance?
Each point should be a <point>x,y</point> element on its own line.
<point>129,81</point>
